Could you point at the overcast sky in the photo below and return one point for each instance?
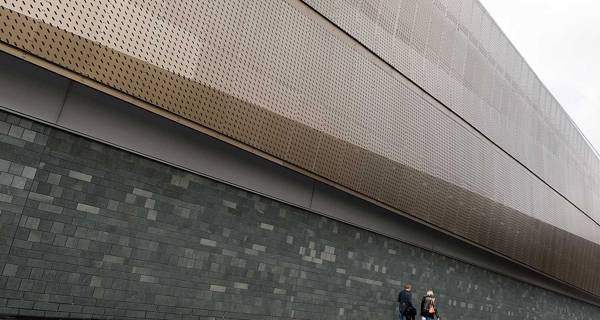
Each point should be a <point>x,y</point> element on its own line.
<point>561,42</point>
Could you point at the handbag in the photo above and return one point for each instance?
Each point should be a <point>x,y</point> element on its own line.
<point>431,309</point>
<point>410,311</point>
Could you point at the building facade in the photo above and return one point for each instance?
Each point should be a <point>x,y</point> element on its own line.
<point>285,160</point>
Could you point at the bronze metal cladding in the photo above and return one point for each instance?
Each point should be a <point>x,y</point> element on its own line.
<point>278,77</point>
<point>454,51</point>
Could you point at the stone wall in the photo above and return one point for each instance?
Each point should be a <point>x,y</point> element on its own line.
<point>90,231</point>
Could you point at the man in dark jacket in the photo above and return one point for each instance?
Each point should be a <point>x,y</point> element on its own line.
<point>405,305</point>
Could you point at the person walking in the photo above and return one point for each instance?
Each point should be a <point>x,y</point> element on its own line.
<point>405,305</point>
<point>429,310</point>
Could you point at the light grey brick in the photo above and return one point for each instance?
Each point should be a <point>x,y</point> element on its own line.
<point>208,243</point>
<point>175,180</point>
<point>367,281</point>
<point>266,226</point>
<point>142,193</point>
<point>149,203</point>
<point>87,208</point>
<point>29,135</point>
<point>230,204</point>
<point>96,282</point>
<point>10,270</point>
<point>250,252</point>
<point>113,205</point>
<point>262,267</point>
<point>54,178</point>
<point>32,223</point>
<point>130,198</point>
<point>185,262</point>
<point>80,176</point>
<point>189,253</point>
<point>29,172</point>
<point>152,215</point>
<point>217,288</point>
<point>34,236</point>
<point>279,291</point>
<point>240,285</point>
<point>5,198</point>
<point>40,197</point>
<point>18,182</point>
<point>16,131</point>
<point>258,247</point>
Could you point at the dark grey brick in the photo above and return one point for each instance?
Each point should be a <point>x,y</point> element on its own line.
<point>46,306</point>
<point>4,165</point>
<point>69,308</point>
<point>20,304</point>
<point>6,178</point>
<point>31,312</point>
<point>4,128</point>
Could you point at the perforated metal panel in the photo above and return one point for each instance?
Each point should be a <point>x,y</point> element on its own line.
<point>487,65</point>
<point>277,77</point>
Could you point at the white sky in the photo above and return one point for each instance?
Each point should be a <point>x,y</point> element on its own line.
<point>561,42</point>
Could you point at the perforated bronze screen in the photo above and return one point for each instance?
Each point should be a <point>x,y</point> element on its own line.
<point>275,76</point>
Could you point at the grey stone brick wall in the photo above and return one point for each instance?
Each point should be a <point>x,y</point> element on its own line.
<point>90,231</point>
